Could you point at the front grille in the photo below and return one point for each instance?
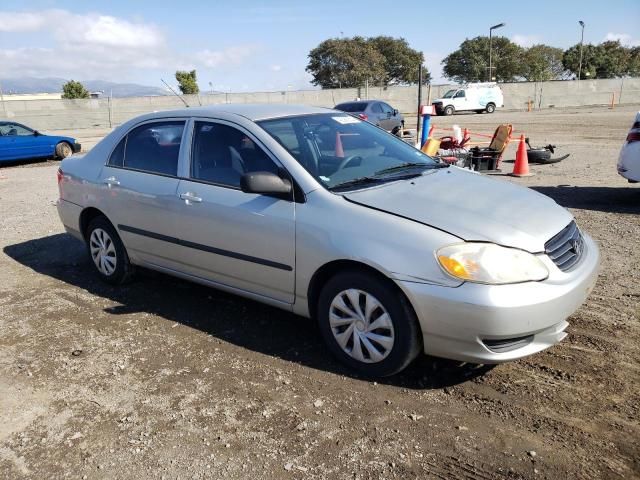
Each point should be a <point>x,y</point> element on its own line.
<point>507,344</point>
<point>565,249</point>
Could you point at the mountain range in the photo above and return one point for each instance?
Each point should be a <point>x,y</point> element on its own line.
<point>54,85</point>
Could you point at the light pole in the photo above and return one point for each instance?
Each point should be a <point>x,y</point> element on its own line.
<point>581,45</point>
<point>500,25</point>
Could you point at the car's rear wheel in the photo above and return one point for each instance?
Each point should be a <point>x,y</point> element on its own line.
<point>490,108</point>
<point>108,255</point>
<point>63,150</point>
<point>368,324</point>
<point>448,110</point>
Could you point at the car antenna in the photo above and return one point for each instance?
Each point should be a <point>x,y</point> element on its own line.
<point>175,93</point>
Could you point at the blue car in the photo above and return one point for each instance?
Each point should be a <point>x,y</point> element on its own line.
<point>18,142</point>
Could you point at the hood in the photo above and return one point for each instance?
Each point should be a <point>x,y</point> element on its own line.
<point>471,207</point>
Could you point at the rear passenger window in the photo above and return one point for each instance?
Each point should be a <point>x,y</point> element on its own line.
<point>376,108</point>
<point>222,154</point>
<point>153,148</point>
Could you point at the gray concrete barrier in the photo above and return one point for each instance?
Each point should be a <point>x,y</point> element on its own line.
<point>106,112</point>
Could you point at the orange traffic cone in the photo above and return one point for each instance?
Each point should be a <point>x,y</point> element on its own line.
<point>521,167</point>
<point>339,150</point>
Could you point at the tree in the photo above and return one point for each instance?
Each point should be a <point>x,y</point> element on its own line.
<point>349,62</point>
<point>542,63</point>
<point>634,61</point>
<point>187,82</point>
<point>73,89</point>
<point>470,63</point>
<point>613,60</point>
<point>400,60</point>
<point>339,63</point>
<point>608,60</point>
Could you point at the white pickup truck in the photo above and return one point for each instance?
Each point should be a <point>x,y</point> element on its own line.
<point>478,97</point>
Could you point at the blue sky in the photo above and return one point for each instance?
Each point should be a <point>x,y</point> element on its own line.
<point>252,45</point>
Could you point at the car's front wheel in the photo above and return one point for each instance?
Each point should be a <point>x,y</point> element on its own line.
<point>107,252</point>
<point>63,150</point>
<point>368,324</point>
<point>448,110</point>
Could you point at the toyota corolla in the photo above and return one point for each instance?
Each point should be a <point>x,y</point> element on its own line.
<point>322,214</point>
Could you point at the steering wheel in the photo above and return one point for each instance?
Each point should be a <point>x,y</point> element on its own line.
<point>348,160</point>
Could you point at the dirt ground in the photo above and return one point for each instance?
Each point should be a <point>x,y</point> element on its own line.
<point>166,379</point>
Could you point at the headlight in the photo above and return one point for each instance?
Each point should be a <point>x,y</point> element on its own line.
<point>489,263</point>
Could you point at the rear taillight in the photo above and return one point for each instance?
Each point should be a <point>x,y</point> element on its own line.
<point>633,137</point>
<point>59,174</point>
<point>362,116</point>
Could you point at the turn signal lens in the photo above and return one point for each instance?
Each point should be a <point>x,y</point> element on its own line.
<point>454,267</point>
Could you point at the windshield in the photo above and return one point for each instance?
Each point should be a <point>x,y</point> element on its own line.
<point>449,94</point>
<point>352,107</point>
<point>341,151</point>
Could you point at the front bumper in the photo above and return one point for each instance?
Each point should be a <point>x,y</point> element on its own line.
<point>499,323</point>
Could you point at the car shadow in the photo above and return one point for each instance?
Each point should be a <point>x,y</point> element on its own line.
<point>603,199</point>
<point>230,318</point>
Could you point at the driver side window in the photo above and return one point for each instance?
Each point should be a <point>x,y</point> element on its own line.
<point>221,155</point>
<point>459,94</point>
<point>13,129</point>
<point>387,109</point>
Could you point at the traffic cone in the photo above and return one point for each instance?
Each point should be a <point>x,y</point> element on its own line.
<point>339,149</point>
<point>521,167</point>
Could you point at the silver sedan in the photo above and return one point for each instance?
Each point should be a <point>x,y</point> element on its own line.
<point>322,214</point>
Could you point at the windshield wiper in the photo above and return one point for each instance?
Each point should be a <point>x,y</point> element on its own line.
<point>404,166</point>
<point>356,182</point>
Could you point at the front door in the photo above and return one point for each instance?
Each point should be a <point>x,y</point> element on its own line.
<point>243,240</point>
<point>389,122</point>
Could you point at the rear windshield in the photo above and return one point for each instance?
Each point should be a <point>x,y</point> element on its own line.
<point>352,107</point>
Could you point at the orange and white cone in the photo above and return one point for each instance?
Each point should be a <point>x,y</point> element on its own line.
<point>521,167</point>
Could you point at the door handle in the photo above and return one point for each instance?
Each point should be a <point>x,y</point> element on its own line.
<point>111,181</point>
<point>190,198</point>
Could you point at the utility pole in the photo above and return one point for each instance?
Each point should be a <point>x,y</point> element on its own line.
<point>500,25</point>
<point>419,101</point>
<point>581,45</point>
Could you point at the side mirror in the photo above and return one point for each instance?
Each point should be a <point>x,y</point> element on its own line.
<point>395,112</point>
<point>265,183</point>
<point>36,133</point>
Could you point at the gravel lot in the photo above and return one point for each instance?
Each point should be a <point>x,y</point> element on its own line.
<point>166,379</point>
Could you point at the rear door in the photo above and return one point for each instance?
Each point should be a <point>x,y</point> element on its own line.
<point>243,240</point>
<point>139,185</point>
<point>377,116</point>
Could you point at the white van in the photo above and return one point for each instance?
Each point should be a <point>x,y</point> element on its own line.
<point>478,97</point>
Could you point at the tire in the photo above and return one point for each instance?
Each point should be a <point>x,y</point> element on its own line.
<point>63,150</point>
<point>538,155</point>
<point>490,108</point>
<point>448,110</point>
<point>397,340</point>
<point>107,253</point>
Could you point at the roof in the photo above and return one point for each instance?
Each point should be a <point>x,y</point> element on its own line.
<point>254,112</point>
